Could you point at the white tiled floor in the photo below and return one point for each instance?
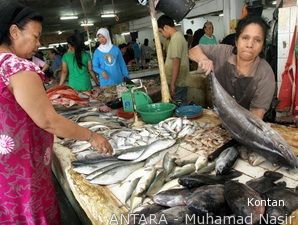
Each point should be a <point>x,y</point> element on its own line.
<point>246,168</point>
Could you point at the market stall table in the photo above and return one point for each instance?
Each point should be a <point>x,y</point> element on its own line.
<point>105,205</point>
<point>143,73</point>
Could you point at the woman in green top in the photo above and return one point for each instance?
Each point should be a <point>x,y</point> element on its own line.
<point>208,38</point>
<point>77,64</point>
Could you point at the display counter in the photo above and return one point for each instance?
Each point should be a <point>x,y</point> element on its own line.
<point>143,73</point>
<point>105,205</point>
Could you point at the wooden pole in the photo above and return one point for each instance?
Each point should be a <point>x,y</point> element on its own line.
<point>165,94</point>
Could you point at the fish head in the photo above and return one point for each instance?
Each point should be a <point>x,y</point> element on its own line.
<point>285,152</point>
<point>219,169</point>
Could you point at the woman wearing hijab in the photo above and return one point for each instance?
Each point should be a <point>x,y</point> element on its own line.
<point>108,61</point>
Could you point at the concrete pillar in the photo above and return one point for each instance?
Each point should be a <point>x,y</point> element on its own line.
<point>232,12</point>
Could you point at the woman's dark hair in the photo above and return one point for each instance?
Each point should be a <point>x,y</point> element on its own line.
<point>123,45</point>
<point>12,12</point>
<point>73,41</point>
<point>54,51</point>
<point>146,42</point>
<point>247,21</point>
<point>197,36</point>
<point>189,31</point>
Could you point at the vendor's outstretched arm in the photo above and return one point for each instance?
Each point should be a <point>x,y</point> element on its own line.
<point>196,54</point>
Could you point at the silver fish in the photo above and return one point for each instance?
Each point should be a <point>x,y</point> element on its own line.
<point>168,163</point>
<point>116,174</point>
<point>89,168</point>
<point>190,158</point>
<point>154,147</point>
<point>131,153</point>
<point>89,124</point>
<point>102,170</point>
<point>145,181</point>
<point>157,183</point>
<point>136,174</point>
<point>131,187</point>
<point>155,158</point>
<point>201,161</point>
<point>181,171</point>
<point>250,130</point>
<point>207,169</point>
<point>88,154</point>
<point>170,185</point>
<point>80,146</point>
<point>135,201</point>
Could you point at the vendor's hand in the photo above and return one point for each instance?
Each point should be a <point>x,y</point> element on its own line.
<point>172,90</point>
<point>100,143</point>
<point>105,75</point>
<point>206,65</point>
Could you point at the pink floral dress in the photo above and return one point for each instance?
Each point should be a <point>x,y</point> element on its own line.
<point>27,194</point>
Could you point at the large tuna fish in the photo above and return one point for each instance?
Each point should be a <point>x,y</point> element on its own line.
<point>250,130</point>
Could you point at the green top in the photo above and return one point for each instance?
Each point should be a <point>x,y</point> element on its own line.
<point>78,79</point>
<point>177,49</point>
<point>205,40</point>
<point>296,49</point>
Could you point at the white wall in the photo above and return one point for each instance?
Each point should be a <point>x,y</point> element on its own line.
<point>144,27</point>
<point>146,33</point>
<point>197,23</point>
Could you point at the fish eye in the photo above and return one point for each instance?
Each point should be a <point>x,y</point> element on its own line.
<point>281,147</point>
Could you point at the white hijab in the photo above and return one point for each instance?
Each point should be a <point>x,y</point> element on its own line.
<point>108,46</point>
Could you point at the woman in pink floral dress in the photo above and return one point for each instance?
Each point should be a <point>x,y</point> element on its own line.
<point>27,124</point>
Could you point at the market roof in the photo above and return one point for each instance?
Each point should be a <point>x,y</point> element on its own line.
<point>87,11</point>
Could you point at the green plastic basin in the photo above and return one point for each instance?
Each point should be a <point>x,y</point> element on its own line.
<point>156,112</point>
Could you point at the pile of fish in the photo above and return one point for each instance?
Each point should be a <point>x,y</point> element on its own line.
<point>128,143</point>
<point>137,152</point>
<point>147,165</point>
<point>250,130</point>
<point>213,199</point>
<point>171,128</point>
<point>146,170</point>
<point>65,96</point>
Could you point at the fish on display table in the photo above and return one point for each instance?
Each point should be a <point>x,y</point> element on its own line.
<point>238,196</point>
<point>250,130</point>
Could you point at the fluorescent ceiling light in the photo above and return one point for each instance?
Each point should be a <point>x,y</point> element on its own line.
<point>68,17</point>
<point>59,32</point>
<point>43,48</point>
<point>57,44</point>
<point>110,15</point>
<point>273,3</point>
<point>87,24</point>
<point>125,33</point>
<point>221,14</point>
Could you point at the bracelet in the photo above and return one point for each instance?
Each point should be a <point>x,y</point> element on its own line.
<point>90,137</point>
